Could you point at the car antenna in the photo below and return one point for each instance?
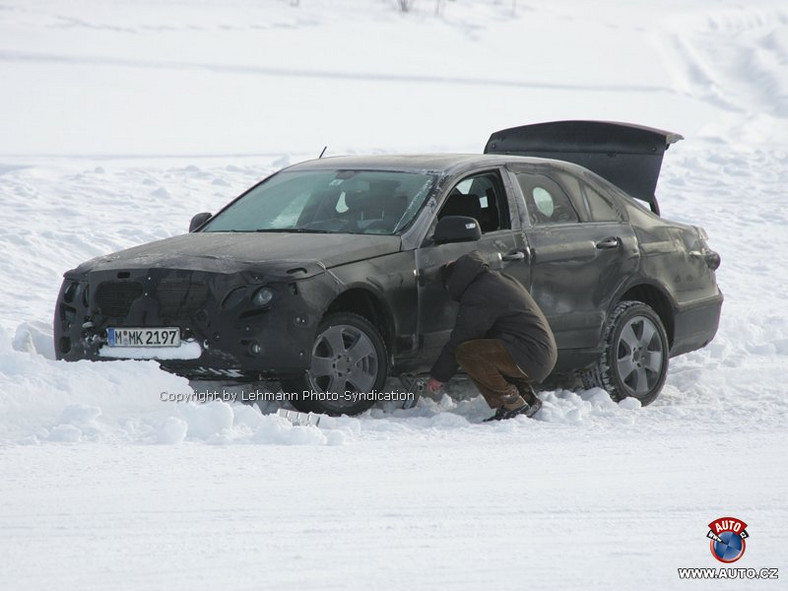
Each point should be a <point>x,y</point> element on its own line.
<point>323,152</point>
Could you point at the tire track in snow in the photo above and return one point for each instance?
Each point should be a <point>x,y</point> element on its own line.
<point>749,72</point>
<point>21,56</point>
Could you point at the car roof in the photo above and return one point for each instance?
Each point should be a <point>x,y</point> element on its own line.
<point>423,163</point>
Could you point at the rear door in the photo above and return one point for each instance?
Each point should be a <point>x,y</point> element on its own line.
<point>582,249</point>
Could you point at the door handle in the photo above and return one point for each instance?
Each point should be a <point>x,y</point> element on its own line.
<point>607,243</point>
<point>514,255</point>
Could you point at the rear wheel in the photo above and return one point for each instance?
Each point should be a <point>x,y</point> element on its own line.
<point>348,359</point>
<point>635,360</point>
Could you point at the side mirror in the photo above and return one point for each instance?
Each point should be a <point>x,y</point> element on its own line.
<point>457,228</point>
<point>198,220</point>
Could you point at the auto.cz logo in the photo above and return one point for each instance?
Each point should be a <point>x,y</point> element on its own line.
<point>722,573</point>
<point>728,537</point>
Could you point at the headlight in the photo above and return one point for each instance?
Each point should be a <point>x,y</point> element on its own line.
<point>262,297</point>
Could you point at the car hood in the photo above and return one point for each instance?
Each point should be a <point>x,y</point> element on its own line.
<point>290,254</point>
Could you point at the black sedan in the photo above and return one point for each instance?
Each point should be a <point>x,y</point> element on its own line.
<point>325,275</point>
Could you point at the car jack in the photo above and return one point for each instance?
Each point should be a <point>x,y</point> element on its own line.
<point>299,419</point>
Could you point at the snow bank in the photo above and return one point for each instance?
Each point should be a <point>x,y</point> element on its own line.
<point>45,401</point>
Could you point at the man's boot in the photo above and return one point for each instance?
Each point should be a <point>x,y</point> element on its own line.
<point>527,392</point>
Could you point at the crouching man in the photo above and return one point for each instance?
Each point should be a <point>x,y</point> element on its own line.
<point>501,338</point>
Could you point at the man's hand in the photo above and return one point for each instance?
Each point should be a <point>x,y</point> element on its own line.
<point>434,385</point>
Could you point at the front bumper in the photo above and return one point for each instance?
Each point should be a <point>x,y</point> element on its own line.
<point>215,311</point>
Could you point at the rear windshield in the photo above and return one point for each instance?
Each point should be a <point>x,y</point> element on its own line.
<point>334,201</point>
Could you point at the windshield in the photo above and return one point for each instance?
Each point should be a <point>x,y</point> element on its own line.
<point>334,201</point>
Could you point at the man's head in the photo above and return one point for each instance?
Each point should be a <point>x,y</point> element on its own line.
<point>458,274</point>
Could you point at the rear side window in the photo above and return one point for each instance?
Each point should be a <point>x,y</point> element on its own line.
<point>546,201</point>
<point>593,205</point>
<point>601,207</point>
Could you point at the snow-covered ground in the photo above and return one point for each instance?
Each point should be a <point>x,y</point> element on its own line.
<point>120,120</point>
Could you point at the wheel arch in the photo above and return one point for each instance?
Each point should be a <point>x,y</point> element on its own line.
<point>369,305</point>
<point>656,298</point>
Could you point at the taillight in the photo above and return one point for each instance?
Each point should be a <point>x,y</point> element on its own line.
<point>710,257</point>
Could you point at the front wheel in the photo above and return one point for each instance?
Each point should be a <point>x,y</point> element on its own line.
<point>349,364</point>
<point>635,360</point>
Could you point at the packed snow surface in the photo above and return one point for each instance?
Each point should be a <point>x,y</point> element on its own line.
<point>121,120</point>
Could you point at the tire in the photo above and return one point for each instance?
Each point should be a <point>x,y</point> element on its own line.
<point>634,362</point>
<point>348,357</point>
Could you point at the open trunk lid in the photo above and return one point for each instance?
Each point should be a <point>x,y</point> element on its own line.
<point>629,156</point>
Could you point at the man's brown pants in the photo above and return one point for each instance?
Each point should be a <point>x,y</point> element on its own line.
<point>488,364</point>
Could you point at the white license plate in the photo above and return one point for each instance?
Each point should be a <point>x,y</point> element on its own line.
<point>144,337</point>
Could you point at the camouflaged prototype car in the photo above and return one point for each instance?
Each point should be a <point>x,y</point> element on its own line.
<point>325,275</point>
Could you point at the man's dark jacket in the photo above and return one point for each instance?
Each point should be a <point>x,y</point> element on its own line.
<point>495,306</point>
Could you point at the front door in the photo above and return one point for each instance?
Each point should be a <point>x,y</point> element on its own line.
<point>484,196</point>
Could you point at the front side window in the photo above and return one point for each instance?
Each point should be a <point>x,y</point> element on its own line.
<point>328,201</point>
<point>482,197</point>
